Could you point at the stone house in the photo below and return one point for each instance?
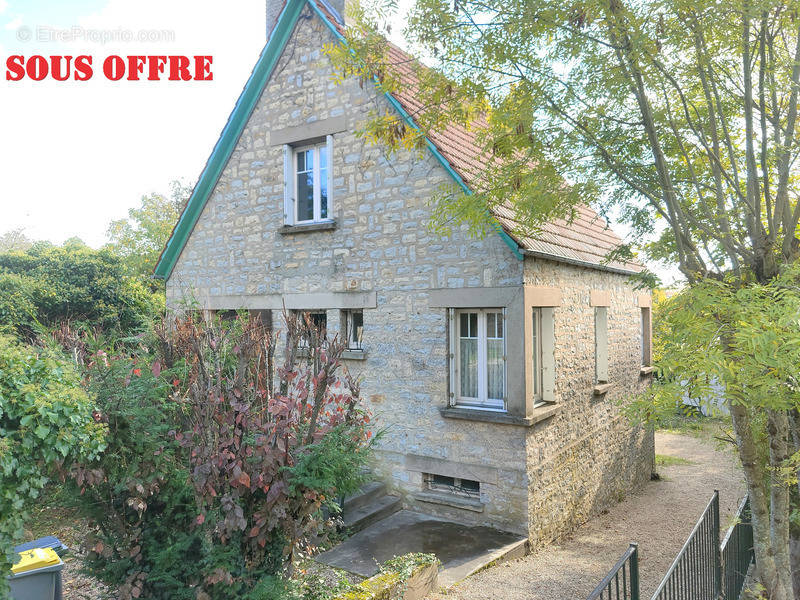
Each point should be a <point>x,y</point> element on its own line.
<point>495,363</point>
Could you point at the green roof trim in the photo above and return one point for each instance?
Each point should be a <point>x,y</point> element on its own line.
<point>229,137</point>
<point>431,146</point>
<point>238,120</point>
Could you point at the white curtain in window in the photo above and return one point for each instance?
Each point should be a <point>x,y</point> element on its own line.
<point>495,369</point>
<point>468,351</point>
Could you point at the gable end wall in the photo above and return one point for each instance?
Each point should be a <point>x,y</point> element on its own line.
<point>534,480</point>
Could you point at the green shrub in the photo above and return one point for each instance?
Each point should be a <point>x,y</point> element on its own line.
<point>18,310</point>
<point>50,284</point>
<point>217,466</point>
<point>45,420</point>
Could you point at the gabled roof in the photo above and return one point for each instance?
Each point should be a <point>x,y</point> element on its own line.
<point>585,240</point>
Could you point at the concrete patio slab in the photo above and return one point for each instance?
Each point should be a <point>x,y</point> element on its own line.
<point>462,549</point>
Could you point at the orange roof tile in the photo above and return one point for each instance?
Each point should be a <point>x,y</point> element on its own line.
<point>586,239</point>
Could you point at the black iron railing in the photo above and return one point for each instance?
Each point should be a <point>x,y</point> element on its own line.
<point>737,553</point>
<point>622,582</point>
<point>703,569</point>
<point>696,572</point>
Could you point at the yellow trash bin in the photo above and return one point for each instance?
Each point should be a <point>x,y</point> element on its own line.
<point>34,575</point>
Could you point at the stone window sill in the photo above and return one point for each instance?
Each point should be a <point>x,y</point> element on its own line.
<point>307,227</point>
<point>473,504</point>
<point>647,371</point>
<point>487,416</point>
<point>601,389</point>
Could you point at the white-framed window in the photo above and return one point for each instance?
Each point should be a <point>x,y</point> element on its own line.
<point>536,355</point>
<point>308,183</point>
<point>353,328</point>
<point>478,358</point>
<point>601,344</point>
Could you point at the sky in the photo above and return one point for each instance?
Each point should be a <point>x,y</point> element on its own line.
<point>76,155</point>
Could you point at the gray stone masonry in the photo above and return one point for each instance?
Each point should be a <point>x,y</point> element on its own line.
<point>538,480</point>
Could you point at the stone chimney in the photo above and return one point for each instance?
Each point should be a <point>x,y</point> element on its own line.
<point>274,8</point>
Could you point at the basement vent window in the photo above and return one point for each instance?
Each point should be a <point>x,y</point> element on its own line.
<point>453,485</point>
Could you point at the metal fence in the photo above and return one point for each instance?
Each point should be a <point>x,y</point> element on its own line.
<point>696,573</point>
<point>703,570</point>
<point>737,553</point>
<point>622,582</point>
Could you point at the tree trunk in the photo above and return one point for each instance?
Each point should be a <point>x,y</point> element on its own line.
<point>769,514</point>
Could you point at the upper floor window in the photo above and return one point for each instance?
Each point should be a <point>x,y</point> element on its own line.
<point>478,357</point>
<point>308,183</point>
<point>311,171</point>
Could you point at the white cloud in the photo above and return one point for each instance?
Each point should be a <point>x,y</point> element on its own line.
<point>13,23</point>
<point>3,6</point>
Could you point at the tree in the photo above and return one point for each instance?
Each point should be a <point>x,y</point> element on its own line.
<point>45,420</point>
<point>215,452</point>
<point>682,115</point>
<point>48,284</point>
<point>14,239</point>
<point>140,238</point>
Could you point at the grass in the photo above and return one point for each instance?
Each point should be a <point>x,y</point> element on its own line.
<point>695,425</point>
<point>665,460</point>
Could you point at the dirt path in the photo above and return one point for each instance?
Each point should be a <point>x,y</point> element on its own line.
<point>660,517</point>
<point>54,520</point>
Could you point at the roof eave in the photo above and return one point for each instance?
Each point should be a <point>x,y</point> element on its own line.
<point>238,120</point>
<point>229,137</point>
<point>579,263</point>
<point>509,241</point>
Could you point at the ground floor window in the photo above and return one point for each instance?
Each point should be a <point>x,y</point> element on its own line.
<point>263,316</point>
<point>536,355</point>
<point>453,485</point>
<point>645,341</point>
<point>316,320</point>
<point>601,344</point>
<point>478,354</point>
<point>353,328</point>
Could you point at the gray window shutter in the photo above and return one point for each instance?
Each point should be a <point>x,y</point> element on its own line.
<point>601,343</point>
<point>451,354</point>
<point>329,145</point>
<point>548,355</point>
<point>288,185</point>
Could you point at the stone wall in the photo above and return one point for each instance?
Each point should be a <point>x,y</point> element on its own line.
<point>381,204</point>
<point>587,456</point>
<point>238,257</point>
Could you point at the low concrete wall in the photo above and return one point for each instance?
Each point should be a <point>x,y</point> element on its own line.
<point>410,577</point>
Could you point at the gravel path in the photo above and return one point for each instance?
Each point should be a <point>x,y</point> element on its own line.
<point>659,516</point>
